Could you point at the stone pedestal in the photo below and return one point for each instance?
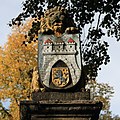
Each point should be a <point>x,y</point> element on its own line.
<point>60,106</point>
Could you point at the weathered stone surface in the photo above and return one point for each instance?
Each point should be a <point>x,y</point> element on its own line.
<point>60,106</point>
<point>59,96</point>
<point>60,110</point>
<point>34,118</point>
<point>55,56</point>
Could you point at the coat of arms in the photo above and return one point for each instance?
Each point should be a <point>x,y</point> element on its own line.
<point>60,76</point>
<point>59,50</point>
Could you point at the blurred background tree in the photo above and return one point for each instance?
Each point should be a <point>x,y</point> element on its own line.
<point>101,92</point>
<point>4,113</point>
<point>16,64</point>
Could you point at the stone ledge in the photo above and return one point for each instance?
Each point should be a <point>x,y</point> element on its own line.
<point>44,110</point>
<point>59,96</point>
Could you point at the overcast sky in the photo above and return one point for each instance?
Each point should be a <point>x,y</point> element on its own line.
<point>109,74</point>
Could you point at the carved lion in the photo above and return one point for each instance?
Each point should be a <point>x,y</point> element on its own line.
<point>57,21</point>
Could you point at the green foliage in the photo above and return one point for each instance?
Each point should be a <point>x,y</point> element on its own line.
<point>101,17</point>
<point>102,92</point>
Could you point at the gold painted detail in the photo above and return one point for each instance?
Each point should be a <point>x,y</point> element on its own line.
<point>57,21</point>
<point>60,76</point>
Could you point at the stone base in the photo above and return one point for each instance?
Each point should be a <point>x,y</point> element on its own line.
<point>65,110</point>
<point>70,106</point>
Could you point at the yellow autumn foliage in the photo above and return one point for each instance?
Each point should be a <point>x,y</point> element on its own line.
<point>16,64</point>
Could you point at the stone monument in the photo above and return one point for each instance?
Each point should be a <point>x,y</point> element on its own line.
<point>58,82</point>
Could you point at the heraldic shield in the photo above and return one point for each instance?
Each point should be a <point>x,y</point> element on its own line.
<point>59,61</point>
<point>60,76</point>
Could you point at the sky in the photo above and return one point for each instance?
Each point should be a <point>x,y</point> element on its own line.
<point>109,74</point>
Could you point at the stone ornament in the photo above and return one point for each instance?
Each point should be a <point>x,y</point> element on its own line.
<point>59,56</point>
<point>59,61</point>
<point>57,21</point>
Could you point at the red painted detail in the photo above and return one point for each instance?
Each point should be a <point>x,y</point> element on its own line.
<point>71,40</point>
<point>48,41</point>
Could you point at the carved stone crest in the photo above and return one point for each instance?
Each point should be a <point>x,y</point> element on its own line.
<point>55,56</point>
<point>59,50</point>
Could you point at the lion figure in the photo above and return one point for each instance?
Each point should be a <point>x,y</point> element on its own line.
<point>57,21</point>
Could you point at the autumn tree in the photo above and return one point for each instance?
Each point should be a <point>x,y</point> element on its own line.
<point>16,64</point>
<point>98,18</point>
